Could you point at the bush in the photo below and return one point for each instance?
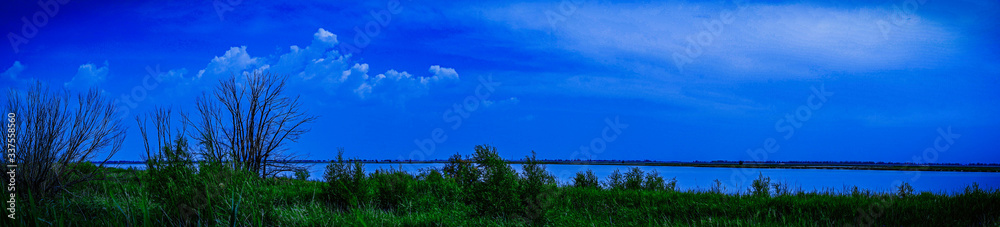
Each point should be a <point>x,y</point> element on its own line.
<point>54,132</point>
<point>761,186</point>
<point>84,168</point>
<point>391,188</point>
<point>172,180</point>
<point>534,176</point>
<point>431,175</point>
<point>904,190</point>
<point>781,189</point>
<point>586,180</point>
<point>206,195</point>
<point>346,182</point>
<point>496,192</point>
<point>671,185</point>
<point>301,174</point>
<point>654,182</point>
<point>634,179</point>
<point>615,181</point>
<point>537,188</point>
<point>443,189</point>
<point>227,195</point>
<point>461,170</point>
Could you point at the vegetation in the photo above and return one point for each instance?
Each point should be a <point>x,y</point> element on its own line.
<point>213,195</point>
<point>52,134</point>
<point>249,120</point>
<point>236,181</point>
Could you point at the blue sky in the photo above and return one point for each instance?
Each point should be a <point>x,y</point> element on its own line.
<point>669,80</point>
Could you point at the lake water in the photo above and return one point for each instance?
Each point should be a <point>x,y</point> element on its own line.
<point>739,179</point>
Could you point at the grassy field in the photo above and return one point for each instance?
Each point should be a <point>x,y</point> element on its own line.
<point>481,190</point>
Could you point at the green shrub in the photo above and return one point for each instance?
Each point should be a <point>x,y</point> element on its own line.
<point>586,180</point>
<point>391,188</point>
<point>781,189</point>
<point>634,179</point>
<point>904,189</point>
<point>431,175</point>
<point>84,168</point>
<point>204,195</point>
<point>346,182</point>
<point>654,182</point>
<point>172,180</point>
<point>537,189</point>
<point>761,186</point>
<point>615,181</point>
<point>461,170</point>
<point>442,189</point>
<point>230,196</point>
<point>671,185</point>
<point>496,192</point>
<point>534,177</point>
<point>301,174</point>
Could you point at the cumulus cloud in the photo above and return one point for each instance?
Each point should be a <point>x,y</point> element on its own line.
<point>442,74</point>
<point>235,60</point>
<point>320,64</point>
<point>87,76</point>
<point>319,58</point>
<point>9,77</point>
<point>14,70</point>
<point>392,86</point>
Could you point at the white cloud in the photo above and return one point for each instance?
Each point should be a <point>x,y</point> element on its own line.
<point>87,76</point>
<point>397,86</point>
<point>442,74</point>
<point>319,58</point>
<point>236,60</point>
<point>13,71</point>
<point>321,65</point>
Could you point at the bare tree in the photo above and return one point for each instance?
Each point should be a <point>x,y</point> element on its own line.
<point>161,118</point>
<point>207,131</point>
<point>53,136</point>
<point>253,123</point>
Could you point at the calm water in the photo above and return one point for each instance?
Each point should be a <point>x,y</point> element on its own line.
<point>733,179</point>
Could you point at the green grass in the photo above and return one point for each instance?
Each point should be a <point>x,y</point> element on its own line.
<point>402,199</point>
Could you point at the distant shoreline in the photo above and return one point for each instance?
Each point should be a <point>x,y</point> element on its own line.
<point>949,167</point>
